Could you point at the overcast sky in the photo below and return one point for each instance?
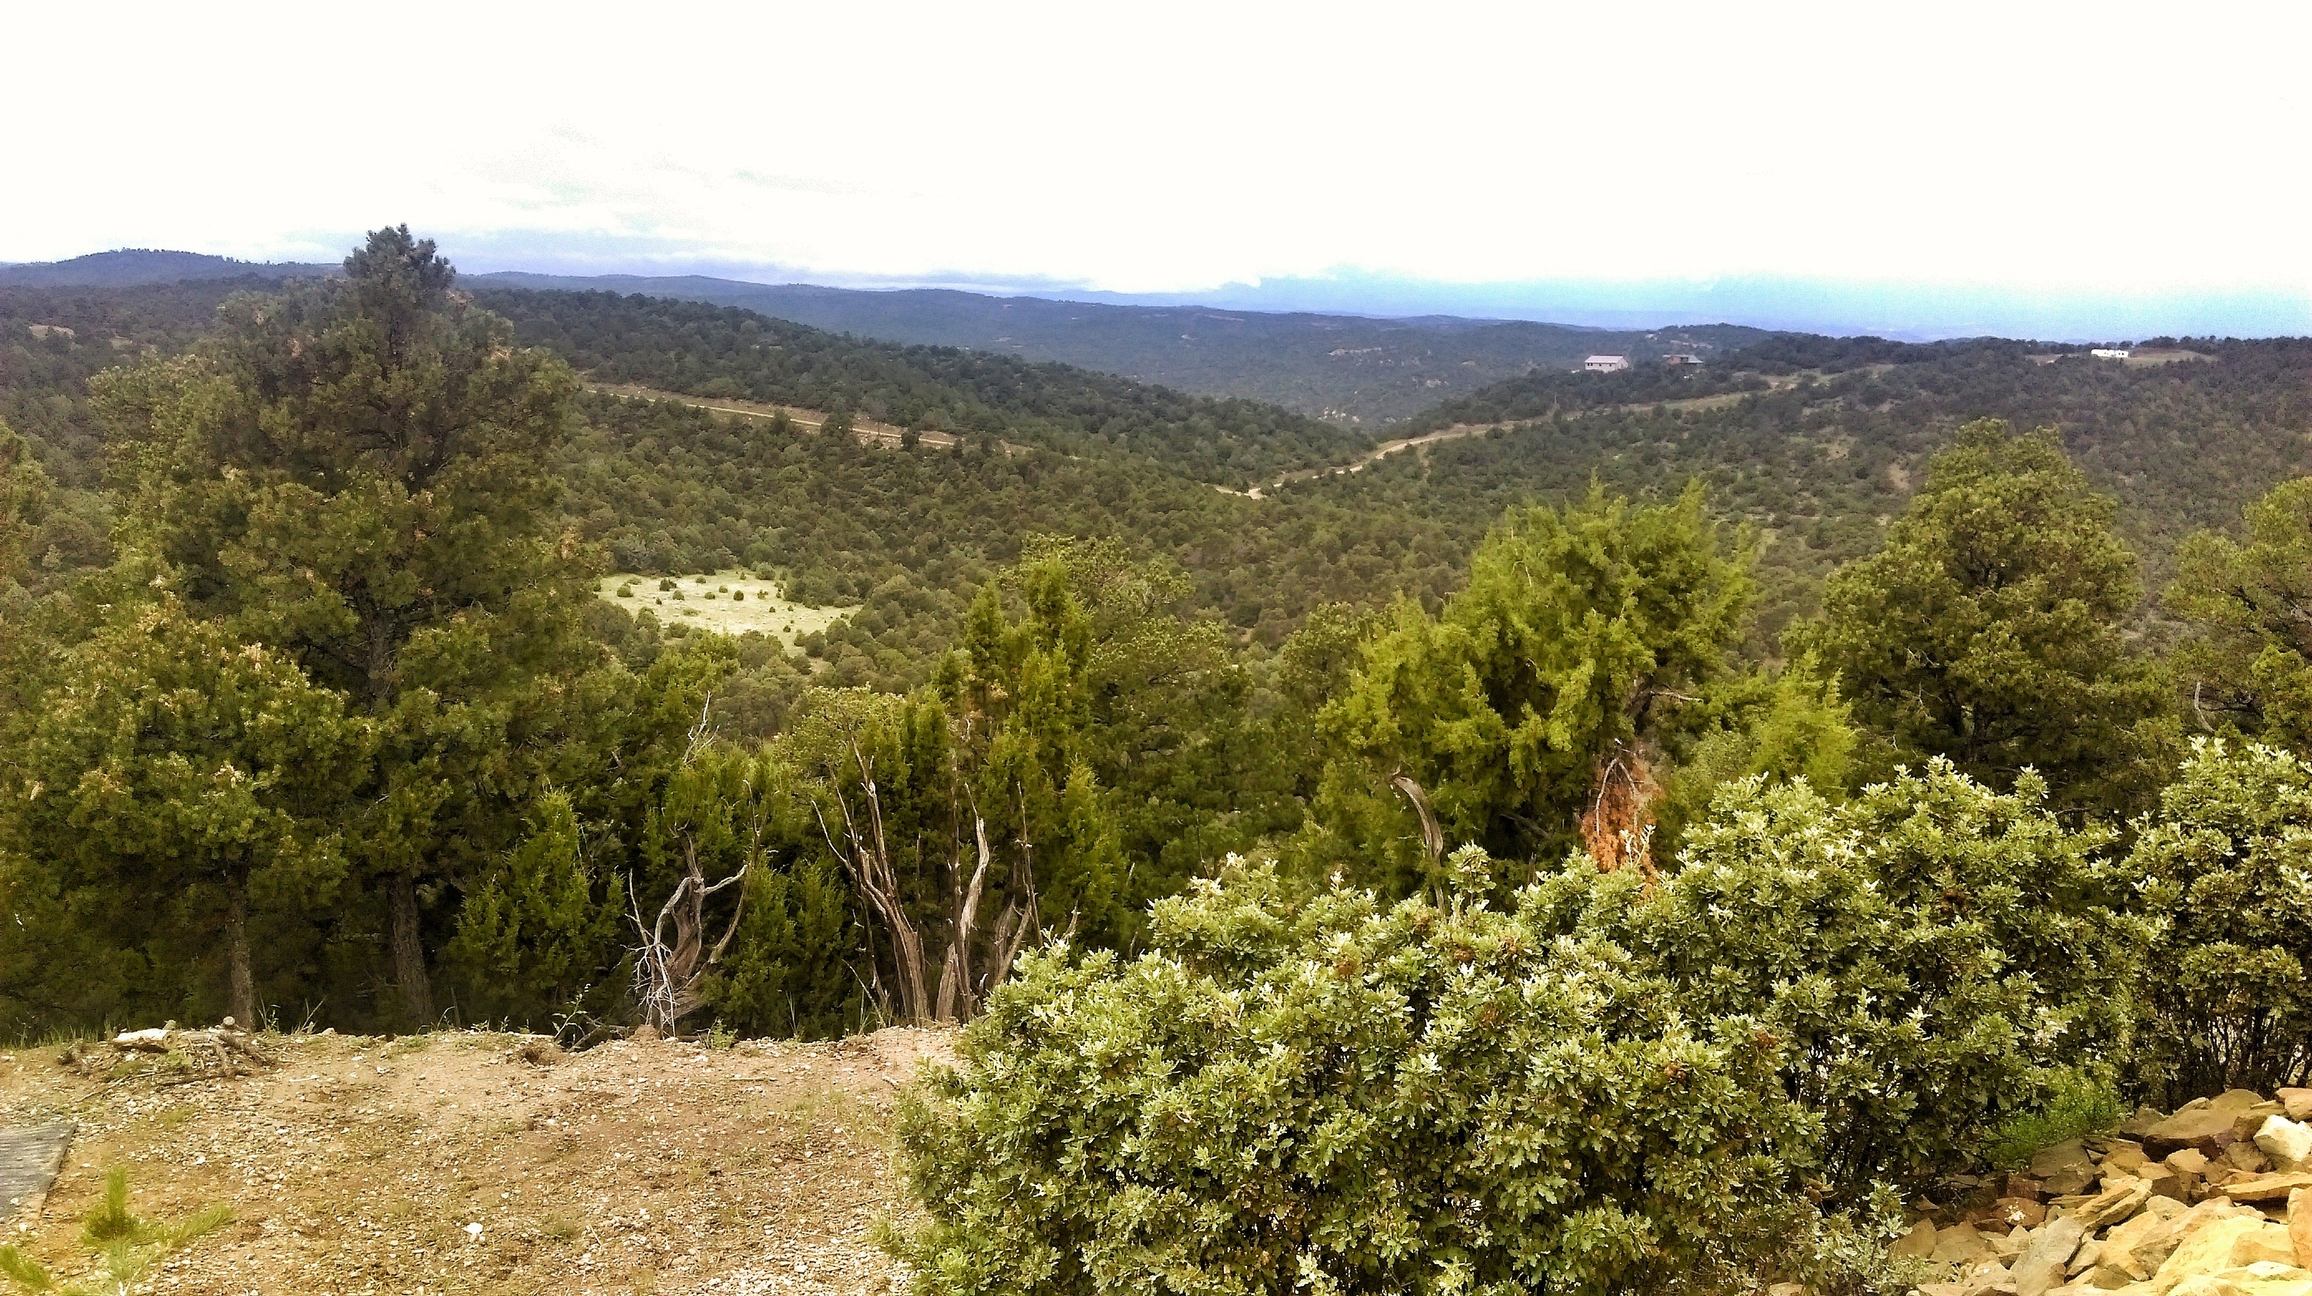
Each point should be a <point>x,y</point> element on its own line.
<point>1170,147</point>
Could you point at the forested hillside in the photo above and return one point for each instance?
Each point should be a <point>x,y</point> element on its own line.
<point>711,351</point>
<point>1555,902</point>
<point>1360,371</point>
<point>1816,441</point>
<point>131,267</point>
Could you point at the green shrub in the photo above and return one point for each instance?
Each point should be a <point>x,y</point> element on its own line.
<point>1932,954</point>
<point>2226,860</point>
<point>1335,1096</point>
<point>2077,1104</point>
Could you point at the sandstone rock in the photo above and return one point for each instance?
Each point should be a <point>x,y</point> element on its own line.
<point>2231,1243</point>
<point>2138,1125</point>
<point>2300,1222</point>
<point>2117,1202</point>
<point>1986,1276</point>
<point>2015,1212</point>
<point>2237,1099</point>
<point>2138,1247</point>
<point>2041,1267</point>
<point>2210,1249</point>
<point>2050,1161</point>
<point>2268,1244</point>
<point>2165,1208</point>
<point>2189,1161</point>
<point>2165,1182</point>
<point>2089,1254</point>
<point>2297,1103</point>
<point>2205,1285</point>
<point>1959,1244</point>
<point>1920,1241</point>
<point>2286,1142</point>
<point>2208,1128</point>
<point>2256,1188</point>
<point>2128,1158</point>
<point>2245,1156</point>
<point>2069,1181</point>
<point>2248,1120</point>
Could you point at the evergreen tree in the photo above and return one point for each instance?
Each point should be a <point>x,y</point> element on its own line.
<point>361,472</point>
<point>178,775</point>
<point>23,503</point>
<point>1987,628</point>
<point>2249,664</point>
<point>24,495</point>
<point>1527,716</point>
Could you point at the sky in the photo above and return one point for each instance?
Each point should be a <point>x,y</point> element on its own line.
<point>1638,154</point>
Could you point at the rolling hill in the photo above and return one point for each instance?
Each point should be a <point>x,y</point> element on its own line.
<point>129,267</point>
<point>1354,370</point>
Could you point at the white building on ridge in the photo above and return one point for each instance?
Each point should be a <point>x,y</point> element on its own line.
<point>1606,364</point>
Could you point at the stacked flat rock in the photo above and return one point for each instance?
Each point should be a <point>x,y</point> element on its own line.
<point>2212,1200</point>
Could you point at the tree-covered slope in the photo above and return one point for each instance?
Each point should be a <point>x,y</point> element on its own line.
<point>129,267</point>
<point>1355,370</point>
<point>1816,441</point>
<point>706,350</point>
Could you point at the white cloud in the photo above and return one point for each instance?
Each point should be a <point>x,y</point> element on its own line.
<point>1177,146</point>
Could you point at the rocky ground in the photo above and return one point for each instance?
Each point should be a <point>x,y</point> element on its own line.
<point>450,1163</point>
<point>2213,1200</point>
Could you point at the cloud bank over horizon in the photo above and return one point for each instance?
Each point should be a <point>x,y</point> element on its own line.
<point>1965,169</point>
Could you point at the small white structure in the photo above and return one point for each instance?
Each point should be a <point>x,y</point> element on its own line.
<point>1676,358</point>
<point>1606,364</point>
<point>2109,353</point>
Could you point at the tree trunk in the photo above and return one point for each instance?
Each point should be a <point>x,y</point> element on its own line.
<point>241,987</point>
<point>408,951</point>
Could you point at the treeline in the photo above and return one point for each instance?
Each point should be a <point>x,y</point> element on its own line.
<point>719,351</point>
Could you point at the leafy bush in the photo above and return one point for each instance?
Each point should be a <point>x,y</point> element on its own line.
<point>1932,955</point>
<point>1336,1095</point>
<point>2227,859</point>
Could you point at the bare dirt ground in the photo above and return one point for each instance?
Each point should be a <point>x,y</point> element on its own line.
<point>447,1164</point>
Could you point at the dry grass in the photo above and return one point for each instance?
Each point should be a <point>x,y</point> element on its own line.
<point>732,602</point>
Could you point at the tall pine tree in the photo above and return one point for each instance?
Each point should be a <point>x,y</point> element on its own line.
<point>360,473</point>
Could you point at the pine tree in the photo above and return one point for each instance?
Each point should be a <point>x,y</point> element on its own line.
<point>360,473</point>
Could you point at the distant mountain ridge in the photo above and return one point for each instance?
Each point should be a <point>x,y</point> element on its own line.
<point>1350,369</point>
<point>125,267</point>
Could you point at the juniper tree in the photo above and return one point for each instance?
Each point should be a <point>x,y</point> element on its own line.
<point>2249,661</point>
<point>1988,628</point>
<point>177,772</point>
<point>1537,696</point>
